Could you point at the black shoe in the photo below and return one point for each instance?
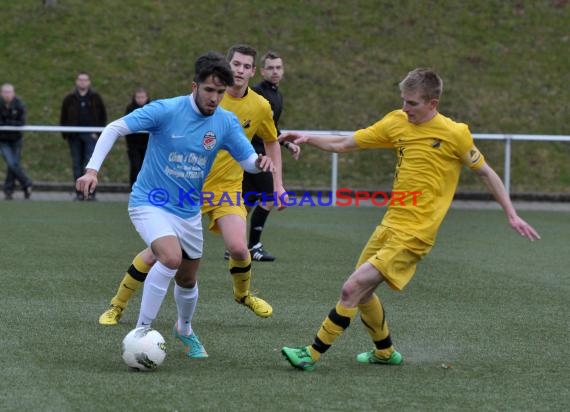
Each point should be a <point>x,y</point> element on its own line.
<point>8,196</point>
<point>28,191</point>
<point>79,197</point>
<point>257,253</point>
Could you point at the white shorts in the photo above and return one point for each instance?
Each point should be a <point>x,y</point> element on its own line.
<point>153,222</point>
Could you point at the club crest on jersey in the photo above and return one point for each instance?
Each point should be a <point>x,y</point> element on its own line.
<point>209,141</point>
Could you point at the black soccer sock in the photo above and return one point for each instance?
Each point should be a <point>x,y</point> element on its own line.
<point>258,218</point>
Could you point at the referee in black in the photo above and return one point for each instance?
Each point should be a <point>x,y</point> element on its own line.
<point>272,73</point>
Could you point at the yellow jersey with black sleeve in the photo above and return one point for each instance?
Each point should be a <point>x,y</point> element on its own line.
<point>430,157</point>
<point>256,118</point>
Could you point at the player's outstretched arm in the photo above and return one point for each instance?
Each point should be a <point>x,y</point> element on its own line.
<point>328,143</point>
<point>273,150</point>
<point>88,182</point>
<point>497,189</point>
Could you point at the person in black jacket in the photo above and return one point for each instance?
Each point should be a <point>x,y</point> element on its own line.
<point>82,107</point>
<point>136,142</point>
<point>262,183</point>
<point>13,113</point>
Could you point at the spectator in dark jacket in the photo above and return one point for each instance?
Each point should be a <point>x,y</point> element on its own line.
<point>136,142</point>
<point>82,107</point>
<point>13,113</point>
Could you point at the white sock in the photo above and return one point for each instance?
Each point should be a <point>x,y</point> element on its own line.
<point>186,300</point>
<point>154,291</point>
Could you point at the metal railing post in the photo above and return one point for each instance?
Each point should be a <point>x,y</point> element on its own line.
<point>507,171</point>
<point>334,177</point>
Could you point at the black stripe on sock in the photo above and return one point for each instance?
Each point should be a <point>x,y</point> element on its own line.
<point>366,324</point>
<point>319,345</point>
<point>384,343</point>
<point>383,322</point>
<point>237,269</point>
<point>342,321</point>
<point>137,275</point>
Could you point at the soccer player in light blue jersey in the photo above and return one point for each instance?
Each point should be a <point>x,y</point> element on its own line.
<point>186,133</point>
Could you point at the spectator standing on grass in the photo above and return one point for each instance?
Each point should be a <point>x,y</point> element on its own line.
<point>431,150</point>
<point>82,107</point>
<point>272,71</point>
<point>13,113</point>
<point>136,142</point>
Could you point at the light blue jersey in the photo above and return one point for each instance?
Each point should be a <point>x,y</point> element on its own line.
<point>182,147</point>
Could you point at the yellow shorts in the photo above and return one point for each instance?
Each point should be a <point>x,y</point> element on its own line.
<point>394,254</point>
<point>216,212</point>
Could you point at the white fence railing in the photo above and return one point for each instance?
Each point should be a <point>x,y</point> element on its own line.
<point>507,138</point>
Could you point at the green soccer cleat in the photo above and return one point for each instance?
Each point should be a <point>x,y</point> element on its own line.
<point>299,358</point>
<point>193,347</point>
<point>370,357</point>
<point>257,305</point>
<point>111,316</point>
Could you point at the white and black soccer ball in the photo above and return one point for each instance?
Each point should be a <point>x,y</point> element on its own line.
<point>144,349</point>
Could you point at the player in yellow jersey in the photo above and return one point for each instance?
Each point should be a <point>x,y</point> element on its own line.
<point>431,150</point>
<point>222,201</point>
<point>226,212</point>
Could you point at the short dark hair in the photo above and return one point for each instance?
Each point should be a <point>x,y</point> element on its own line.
<point>243,49</point>
<point>213,64</point>
<point>270,55</point>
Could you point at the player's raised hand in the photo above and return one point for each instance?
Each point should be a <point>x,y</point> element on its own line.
<point>265,164</point>
<point>293,137</point>
<point>87,183</point>
<point>523,228</point>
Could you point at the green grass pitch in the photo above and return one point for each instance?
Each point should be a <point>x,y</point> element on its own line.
<point>484,324</point>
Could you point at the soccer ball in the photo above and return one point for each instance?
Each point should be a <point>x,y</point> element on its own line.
<point>144,349</point>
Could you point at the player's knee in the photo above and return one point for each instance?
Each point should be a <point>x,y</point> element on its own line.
<point>238,252</point>
<point>348,291</point>
<point>148,257</point>
<point>171,260</point>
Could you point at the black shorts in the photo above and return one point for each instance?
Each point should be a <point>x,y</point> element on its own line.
<point>257,187</point>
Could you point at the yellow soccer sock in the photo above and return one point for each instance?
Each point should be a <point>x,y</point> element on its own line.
<point>132,281</point>
<point>241,276</point>
<point>373,317</point>
<point>332,327</point>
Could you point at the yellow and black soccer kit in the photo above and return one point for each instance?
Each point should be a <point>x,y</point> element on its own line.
<point>430,158</point>
<point>225,178</point>
<point>224,182</point>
